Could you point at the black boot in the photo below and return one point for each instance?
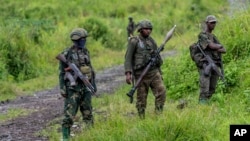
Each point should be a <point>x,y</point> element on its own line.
<point>159,109</point>
<point>141,113</point>
<point>66,133</point>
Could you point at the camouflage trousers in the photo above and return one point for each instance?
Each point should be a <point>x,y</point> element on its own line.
<point>207,84</point>
<point>77,98</point>
<point>155,82</point>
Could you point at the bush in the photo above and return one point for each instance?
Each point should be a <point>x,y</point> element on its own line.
<point>96,29</point>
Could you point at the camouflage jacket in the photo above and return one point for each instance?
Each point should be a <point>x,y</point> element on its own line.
<point>204,39</point>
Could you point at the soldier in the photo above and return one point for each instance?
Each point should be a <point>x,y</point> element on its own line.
<point>76,94</point>
<point>139,51</point>
<point>211,47</point>
<point>131,27</point>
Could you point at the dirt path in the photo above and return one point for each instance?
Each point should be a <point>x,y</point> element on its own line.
<point>47,105</point>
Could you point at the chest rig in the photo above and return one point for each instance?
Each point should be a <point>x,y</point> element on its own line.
<point>81,58</point>
<point>144,50</point>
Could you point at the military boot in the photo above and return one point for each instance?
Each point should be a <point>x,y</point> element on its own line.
<point>66,133</point>
<point>88,124</point>
<point>159,109</point>
<point>203,101</point>
<point>141,113</point>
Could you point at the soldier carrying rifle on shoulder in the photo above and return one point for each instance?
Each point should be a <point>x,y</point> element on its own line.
<point>131,27</point>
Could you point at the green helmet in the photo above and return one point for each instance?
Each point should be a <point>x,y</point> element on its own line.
<point>144,24</point>
<point>78,33</point>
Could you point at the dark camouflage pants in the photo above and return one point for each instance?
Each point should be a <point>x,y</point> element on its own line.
<point>155,82</point>
<point>77,98</point>
<point>207,84</point>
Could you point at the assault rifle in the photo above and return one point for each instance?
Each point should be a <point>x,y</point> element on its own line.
<point>150,63</point>
<point>211,65</point>
<point>78,73</point>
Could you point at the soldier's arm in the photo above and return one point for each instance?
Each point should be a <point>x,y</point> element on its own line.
<point>205,42</point>
<point>221,50</point>
<point>129,55</point>
<point>62,84</point>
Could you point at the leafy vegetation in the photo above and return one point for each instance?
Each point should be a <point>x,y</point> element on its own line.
<point>33,34</point>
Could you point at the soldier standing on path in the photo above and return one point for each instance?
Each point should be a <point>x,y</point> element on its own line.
<point>139,51</point>
<point>131,27</point>
<point>211,47</point>
<point>76,95</point>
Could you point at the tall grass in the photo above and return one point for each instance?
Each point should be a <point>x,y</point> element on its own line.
<point>116,119</point>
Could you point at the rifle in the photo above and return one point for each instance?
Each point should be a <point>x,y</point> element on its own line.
<point>150,63</point>
<point>78,73</point>
<point>211,64</point>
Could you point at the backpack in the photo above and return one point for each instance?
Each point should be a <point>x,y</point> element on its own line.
<point>193,50</point>
<point>196,54</point>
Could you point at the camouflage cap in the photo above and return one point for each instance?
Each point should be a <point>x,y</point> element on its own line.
<point>211,18</point>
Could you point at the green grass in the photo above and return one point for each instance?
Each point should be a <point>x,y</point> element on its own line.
<point>116,119</point>
<point>13,113</point>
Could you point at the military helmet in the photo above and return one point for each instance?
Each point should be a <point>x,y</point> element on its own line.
<point>78,33</point>
<point>144,24</point>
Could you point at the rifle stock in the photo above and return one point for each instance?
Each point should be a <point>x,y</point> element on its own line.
<point>130,94</point>
<point>78,73</point>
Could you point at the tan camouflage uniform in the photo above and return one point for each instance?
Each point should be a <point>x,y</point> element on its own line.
<point>137,56</point>
<point>208,83</point>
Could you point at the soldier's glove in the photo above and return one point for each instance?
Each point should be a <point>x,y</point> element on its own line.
<point>63,93</point>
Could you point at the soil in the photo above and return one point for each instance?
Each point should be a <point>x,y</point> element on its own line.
<point>47,105</point>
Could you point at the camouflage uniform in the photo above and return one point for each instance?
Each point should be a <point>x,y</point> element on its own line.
<point>76,95</point>
<point>138,54</point>
<point>208,82</point>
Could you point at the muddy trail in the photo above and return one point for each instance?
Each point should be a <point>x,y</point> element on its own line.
<point>47,105</point>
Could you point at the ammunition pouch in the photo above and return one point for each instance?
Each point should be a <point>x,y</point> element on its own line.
<point>141,60</point>
<point>86,70</point>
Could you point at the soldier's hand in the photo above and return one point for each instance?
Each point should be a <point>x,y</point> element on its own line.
<point>128,78</point>
<point>222,50</point>
<point>67,69</point>
<point>63,93</point>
